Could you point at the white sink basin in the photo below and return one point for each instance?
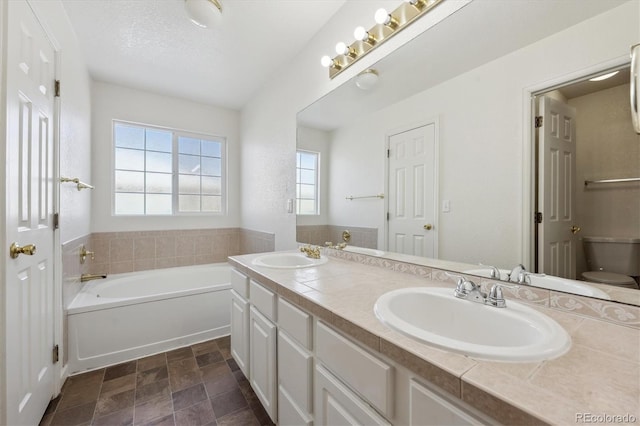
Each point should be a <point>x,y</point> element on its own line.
<point>287,261</point>
<point>551,282</point>
<point>435,316</point>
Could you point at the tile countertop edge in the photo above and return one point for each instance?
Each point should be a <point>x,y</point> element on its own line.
<point>473,385</point>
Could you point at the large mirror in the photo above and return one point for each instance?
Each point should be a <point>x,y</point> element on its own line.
<point>442,159</point>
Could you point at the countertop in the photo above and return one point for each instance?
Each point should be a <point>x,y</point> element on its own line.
<point>599,376</point>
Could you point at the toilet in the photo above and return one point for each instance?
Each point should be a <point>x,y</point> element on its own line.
<point>613,261</point>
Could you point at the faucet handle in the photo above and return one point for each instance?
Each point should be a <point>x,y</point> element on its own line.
<point>463,286</point>
<point>495,272</point>
<point>524,277</point>
<point>495,295</point>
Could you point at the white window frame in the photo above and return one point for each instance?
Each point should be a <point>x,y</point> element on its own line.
<point>316,183</point>
<point>176,133</point>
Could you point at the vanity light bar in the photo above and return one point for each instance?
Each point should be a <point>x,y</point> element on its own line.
<point>387,25</point>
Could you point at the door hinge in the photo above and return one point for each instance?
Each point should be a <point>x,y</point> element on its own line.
<point>56,220</point>
<point>56,88</point>
<point>537,217</point>
<point>538,121</point>
<point>388,216</point>
<point>55,354</point>
<point>388,153</point>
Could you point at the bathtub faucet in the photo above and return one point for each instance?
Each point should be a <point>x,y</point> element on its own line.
<point>89,277</point>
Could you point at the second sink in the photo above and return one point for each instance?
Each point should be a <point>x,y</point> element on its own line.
<point>434,316</point>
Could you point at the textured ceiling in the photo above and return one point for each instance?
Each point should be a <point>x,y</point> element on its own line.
<point>152,45</point>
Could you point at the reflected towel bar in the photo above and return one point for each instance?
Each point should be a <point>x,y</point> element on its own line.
<point>587,182</point>
<point>351,197</point>
<point>80,185</point>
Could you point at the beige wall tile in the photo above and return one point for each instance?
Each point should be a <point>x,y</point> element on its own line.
<point>166,246</point>
<point>121,249</point>
<point>144,248</point>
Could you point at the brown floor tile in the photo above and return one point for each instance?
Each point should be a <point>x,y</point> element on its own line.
<point>189,396</point>
<point>46,419</point>
<point>79,396</point>
<point>53,405</point>
<point>152,410</point>
<point>184,380</point>
<point>221,384</point>
<point>223,342</point>
<point>120,370</point>
<point>213,371</point>
<point>179,354</point>
<point>114,402</point>
<point>225,352</point>
<point>74,416</point>
<point>228,402</point>
<point>152,361</point>
<point>152,391</point>
<point>162,421</point>
<point>119,418</point>
<point>204,347</point>
<point>152,375</point>
<point>240,377</point>
<point>199,414</point>
<point>118,385</point>
<point>233,365</point>
<point>209,358</point>
<point>82,380</point>
<point>243,417</point>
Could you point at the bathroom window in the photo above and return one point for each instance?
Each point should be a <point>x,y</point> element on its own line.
<point>307,182</point>
<point>166,172</point>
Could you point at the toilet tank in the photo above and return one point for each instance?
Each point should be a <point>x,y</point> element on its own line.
<point>620,255</point>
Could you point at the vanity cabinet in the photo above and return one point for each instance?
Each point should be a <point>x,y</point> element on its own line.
<point>305,372</point>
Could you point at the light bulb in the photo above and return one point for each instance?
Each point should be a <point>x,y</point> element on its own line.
<point>342,49</point>
<point>326,61</point>
<point>382,17</point>
<point>363,35</point>
<point>360,33</point>
<point>418,4</point>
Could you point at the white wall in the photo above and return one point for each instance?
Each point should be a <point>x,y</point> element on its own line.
<point>111,102</point>
<point>481,135</point>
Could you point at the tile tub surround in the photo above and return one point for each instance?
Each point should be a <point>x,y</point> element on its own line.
<point>599,375</point>
<point>197,385</point>
<point>120,252</point>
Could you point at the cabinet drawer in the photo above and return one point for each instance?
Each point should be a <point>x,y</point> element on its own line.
<point>295,371</point>
<point>427,407</point>
<point>335,404</point>
<point>240,283</point>
<point>288,413</point>
<point>363,372</point>
<point>263,299</point>
<point>295,322</point>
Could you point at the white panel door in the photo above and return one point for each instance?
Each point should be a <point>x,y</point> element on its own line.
<point>29,278</point>
<point>412,204</point>
<point>557,174</point>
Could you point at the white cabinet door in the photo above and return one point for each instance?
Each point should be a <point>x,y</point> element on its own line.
<point>295,372</point>
<point>336,405</point>
<point>289,414</point>
<point>240,331</point>
<point>262,365</point>
<point>428,408</point>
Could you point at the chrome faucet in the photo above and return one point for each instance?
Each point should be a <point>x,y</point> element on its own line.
<point>495,272</point>
<point>514,275</point>
<point>89,277</point>
<point>312,252</point>
<point>524,277</point>
<point>467,289</point>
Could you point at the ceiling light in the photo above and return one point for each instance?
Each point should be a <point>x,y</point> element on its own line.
<point>204,13</point>
<point>367,79</point>
<point>327,62</point>
<point>343,49</point>
<point>417,3</point>
<point>604,76</point>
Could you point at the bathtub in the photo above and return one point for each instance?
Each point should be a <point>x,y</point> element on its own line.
<point>128,316</point>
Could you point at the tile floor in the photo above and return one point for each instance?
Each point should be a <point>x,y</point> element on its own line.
<point>194,385</point>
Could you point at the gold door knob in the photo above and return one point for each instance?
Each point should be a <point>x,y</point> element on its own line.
<point>575,229</point>
<point>15,250</point>
<point>428,227</point>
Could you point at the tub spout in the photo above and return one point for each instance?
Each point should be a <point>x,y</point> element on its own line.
<point>89,277</point>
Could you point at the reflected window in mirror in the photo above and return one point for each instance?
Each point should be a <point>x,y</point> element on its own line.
<point>307,178</point>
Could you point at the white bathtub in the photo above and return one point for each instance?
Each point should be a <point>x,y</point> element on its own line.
<point>128,316</point>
